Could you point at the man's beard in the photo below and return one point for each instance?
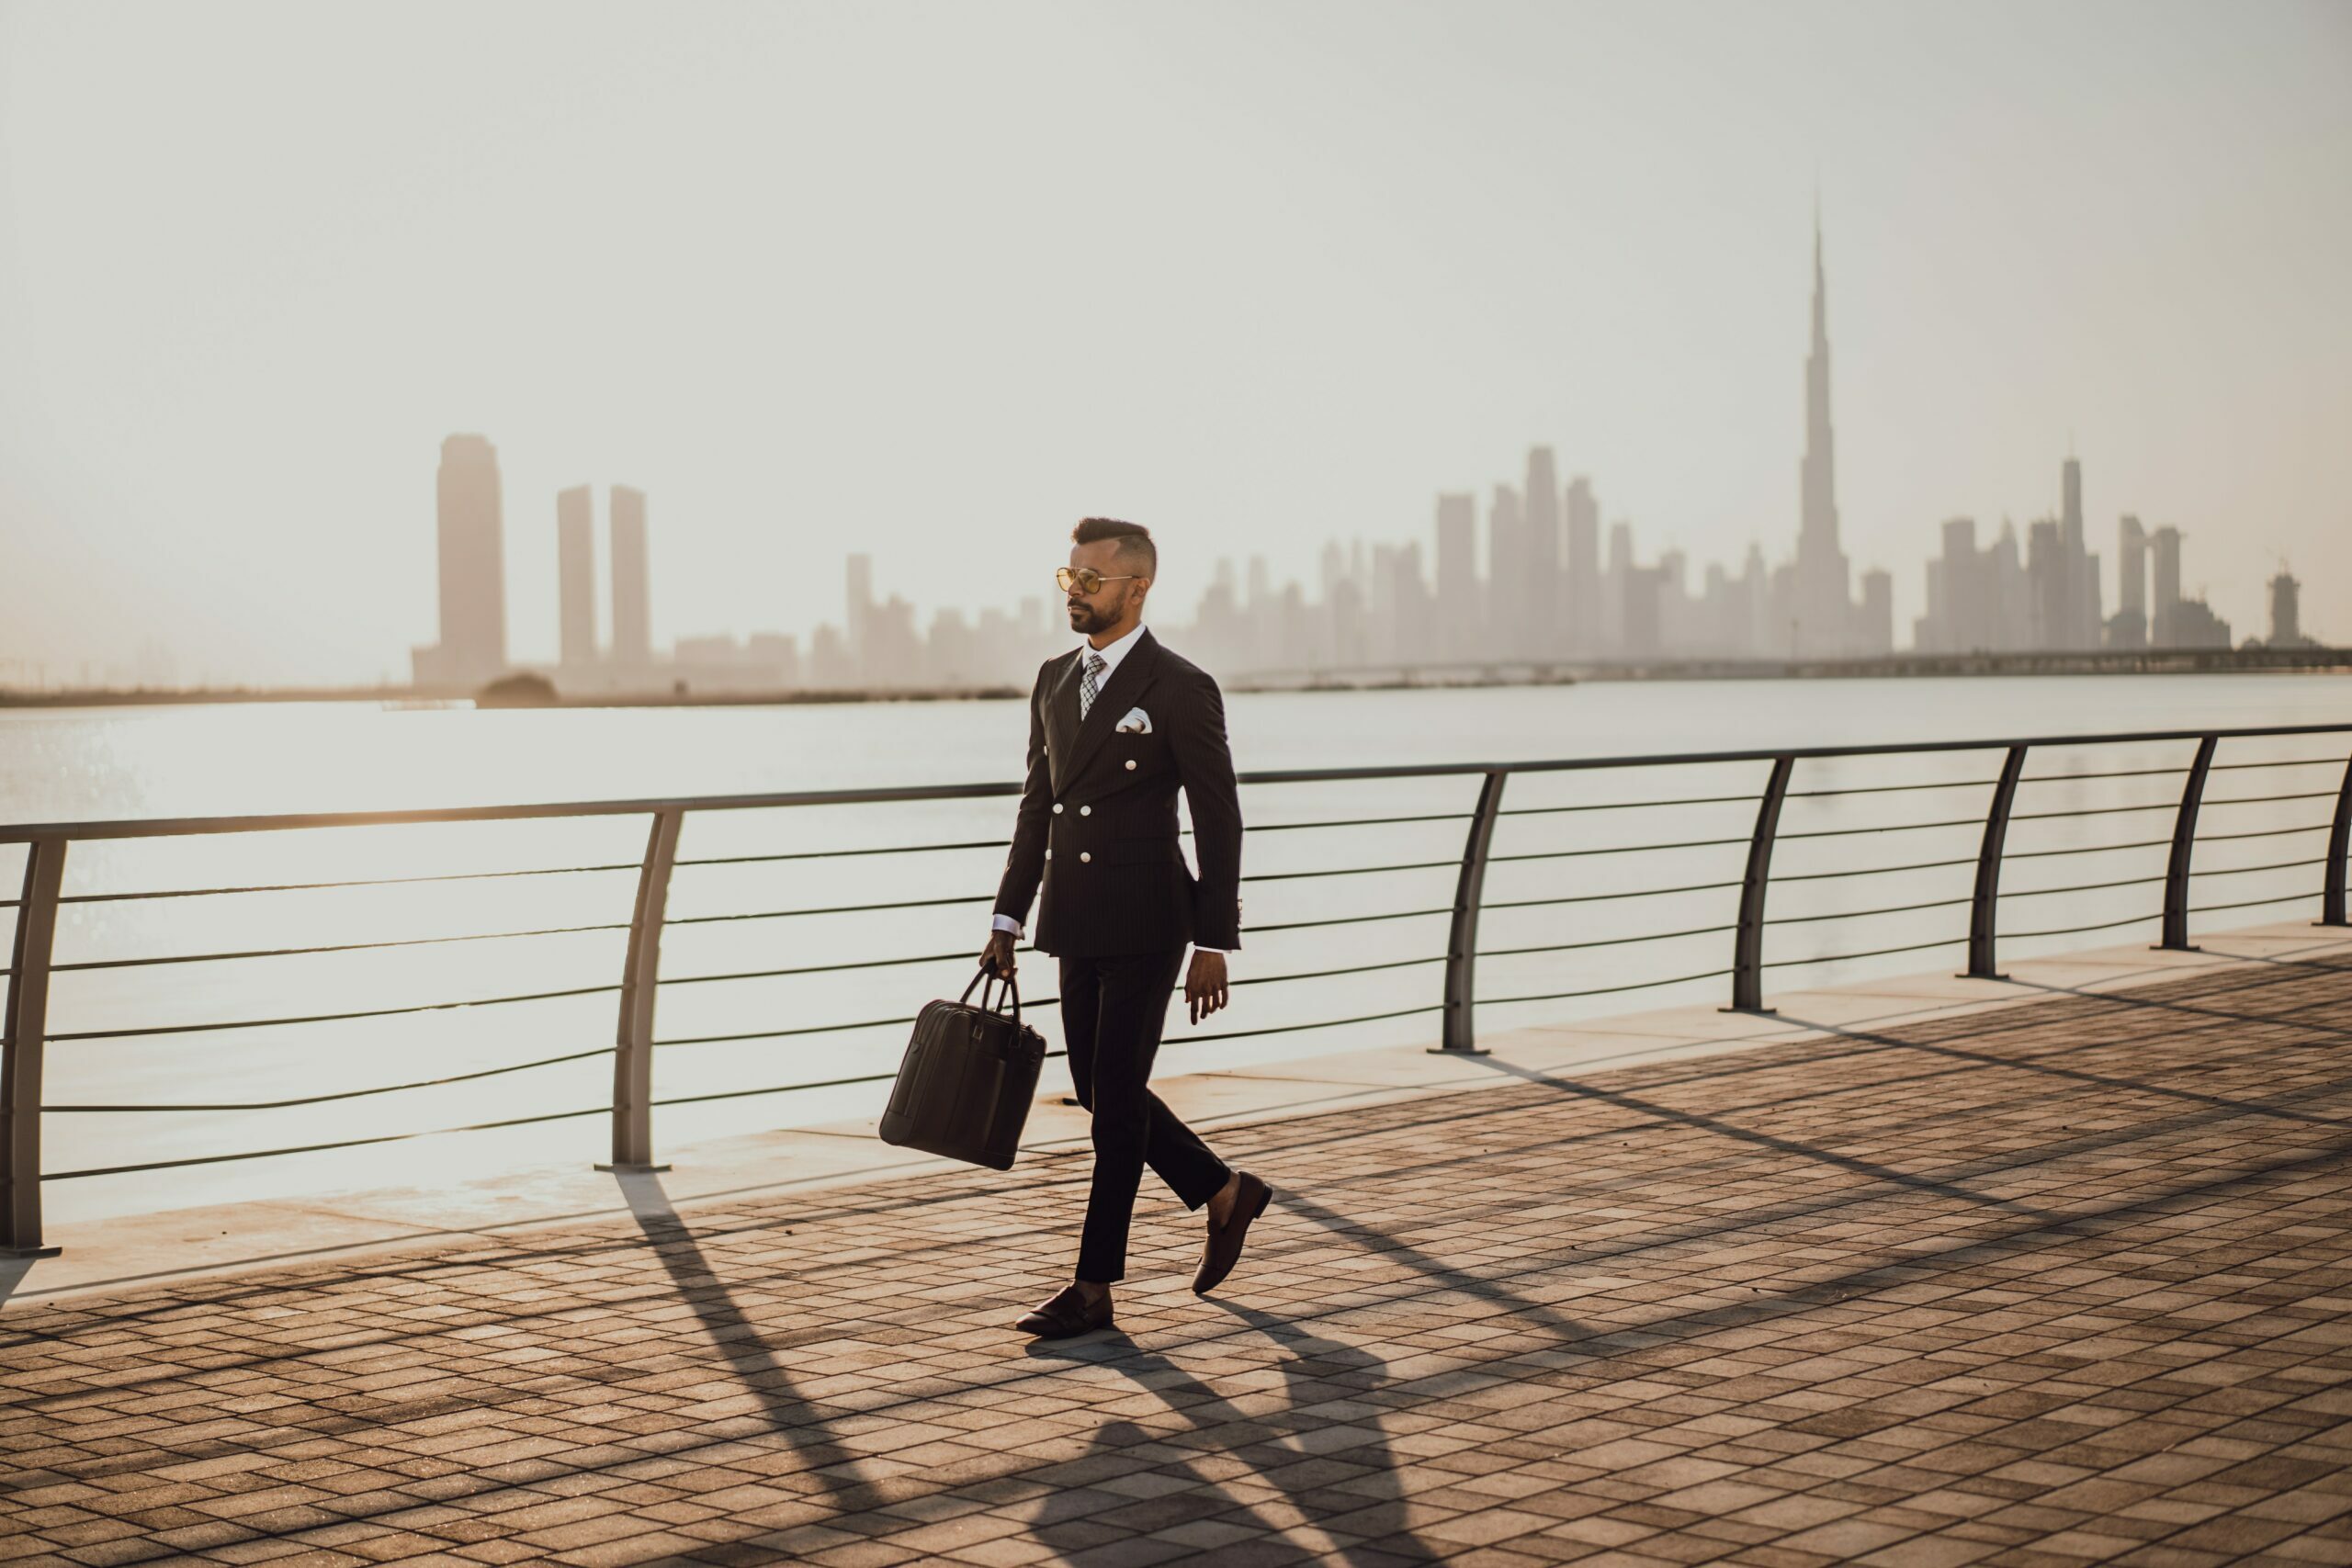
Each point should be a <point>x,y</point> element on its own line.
<point>1086,618</point>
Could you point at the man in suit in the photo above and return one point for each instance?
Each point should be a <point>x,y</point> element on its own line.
<point>1117,727</point>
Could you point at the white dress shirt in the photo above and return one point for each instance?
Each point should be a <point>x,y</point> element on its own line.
<point>1111,653</point>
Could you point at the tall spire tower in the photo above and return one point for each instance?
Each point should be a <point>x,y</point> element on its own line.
<point>1824,608</point>
<point>1818,519</point>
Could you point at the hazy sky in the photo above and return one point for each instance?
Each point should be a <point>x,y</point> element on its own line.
<point>933,280</point>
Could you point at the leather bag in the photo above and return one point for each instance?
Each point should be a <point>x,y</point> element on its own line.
<point>964,1086</point>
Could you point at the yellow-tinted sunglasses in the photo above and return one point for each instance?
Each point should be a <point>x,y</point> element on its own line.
<point>1086,579</point>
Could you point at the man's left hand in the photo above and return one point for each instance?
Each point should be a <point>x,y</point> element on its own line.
<point>1204,989</point>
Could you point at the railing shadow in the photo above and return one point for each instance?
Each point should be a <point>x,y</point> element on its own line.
<point>1871,1170</point>
<point>737,1338</point>
<point>12,1274</point>
<point>2316,967</point>
<point>2125,999</point>
<point>1431,1267</point>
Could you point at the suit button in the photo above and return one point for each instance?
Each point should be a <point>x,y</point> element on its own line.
<point>1131,764</point>
<point>1083,855</point>
<point>1057,809</point>
<point>1086,811</point>
<point>1049,854</point>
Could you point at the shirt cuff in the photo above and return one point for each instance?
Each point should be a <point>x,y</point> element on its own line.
<point>1203,947</point>
<point>1004,923</point>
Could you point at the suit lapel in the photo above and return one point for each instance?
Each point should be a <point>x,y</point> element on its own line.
<point>1111,704</point>
<point>1061,722</point>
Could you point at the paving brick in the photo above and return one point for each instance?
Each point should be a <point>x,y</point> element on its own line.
<point>2065,1283</point>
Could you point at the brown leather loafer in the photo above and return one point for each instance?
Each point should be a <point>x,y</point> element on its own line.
<point>1224,1248</point>
<point>1067,1314</point>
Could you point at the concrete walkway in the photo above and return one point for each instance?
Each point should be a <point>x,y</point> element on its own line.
<point>1903,1279</point>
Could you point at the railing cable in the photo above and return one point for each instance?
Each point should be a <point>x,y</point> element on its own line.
<point>1605,897</point>
<point>321,1148</point>
<point>332,947</point>
<point>1873,952</point>
<point>1353,871</point>
<point>2089,848</point>
<point>832,910</point>
<point>1348,919</point>
<point>2081,887</point>
<point>2117,773</point>
<point>353,882</point>
<point>1890,828</point>
<point>2253,903</point>
<point>330,1017</point>
<point>2265,833</point>
<point>343,1094</point>
<point>1602,941</point>
<point>1870,870</point>
<point>1605,990</point>
<point>2095,926</point>
<point>1865,914</point>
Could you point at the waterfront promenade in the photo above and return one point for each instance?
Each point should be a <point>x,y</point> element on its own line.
<point>1897,1276</point>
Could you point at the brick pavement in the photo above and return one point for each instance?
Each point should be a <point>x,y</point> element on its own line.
<point>2062,1284</point>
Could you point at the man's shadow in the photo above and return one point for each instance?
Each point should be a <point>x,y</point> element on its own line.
<point>1353,1496</point>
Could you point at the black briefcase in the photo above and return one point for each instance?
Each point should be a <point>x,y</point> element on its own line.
<point>969,1074</point>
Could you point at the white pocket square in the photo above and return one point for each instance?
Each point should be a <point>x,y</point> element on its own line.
<point>1136,722</point>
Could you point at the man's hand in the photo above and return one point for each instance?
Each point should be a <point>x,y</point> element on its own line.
<point>997,957</point>
<point>1204,989</point>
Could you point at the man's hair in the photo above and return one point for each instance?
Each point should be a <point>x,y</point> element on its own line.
<point>1136,549</point>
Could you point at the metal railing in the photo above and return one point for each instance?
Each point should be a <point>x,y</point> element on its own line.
<point>633,1101</point>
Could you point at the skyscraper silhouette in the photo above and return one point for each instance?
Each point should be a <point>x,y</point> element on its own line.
<point>2163,607</point>
<point>2286,615</point>
<point>2079,628</point>
<point>1824,609</point>
<point>1540,607</point>
<point>857,606</point>
<point>632,595</point>
<point>575,563</point>
<point>1506,574</point>
<point>2130,627</point>
<point>471,537</point>
<point>1584,567</point>
<point>1457,574</point>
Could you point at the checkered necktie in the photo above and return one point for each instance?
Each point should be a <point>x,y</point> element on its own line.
<point>1090,683</point>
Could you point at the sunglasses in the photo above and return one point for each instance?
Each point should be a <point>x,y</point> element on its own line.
<point>1086,579</point>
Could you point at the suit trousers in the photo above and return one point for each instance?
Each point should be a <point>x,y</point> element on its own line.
<point>1112,1011</point>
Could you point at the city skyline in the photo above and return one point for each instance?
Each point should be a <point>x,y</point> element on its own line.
<point>1412,242</point>
<point>1546,595</point>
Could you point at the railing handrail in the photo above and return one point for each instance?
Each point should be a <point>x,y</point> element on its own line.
<point>170,826</point>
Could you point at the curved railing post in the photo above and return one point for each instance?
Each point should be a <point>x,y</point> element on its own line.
<point>1747,946</point>
<point>2184,844</point>
<point>1984,913</point>
<point>1462,943</point>
<point>2339,839</point>
<point>20,1057</point>
<point>640,978</point>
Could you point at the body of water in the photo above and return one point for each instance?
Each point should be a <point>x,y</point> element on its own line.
<point>1912,848</point>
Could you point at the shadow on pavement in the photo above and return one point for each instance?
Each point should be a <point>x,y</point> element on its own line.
<point>12,1274</point>
<point>1338,1503</point>
<point>735,1337</point>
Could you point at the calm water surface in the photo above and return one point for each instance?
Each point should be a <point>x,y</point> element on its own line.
<point>197,760</point>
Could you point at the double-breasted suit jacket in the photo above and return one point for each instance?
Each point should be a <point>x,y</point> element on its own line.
<point>1097,825</point>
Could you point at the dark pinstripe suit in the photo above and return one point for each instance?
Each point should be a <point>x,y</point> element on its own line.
<point>1097,827</point>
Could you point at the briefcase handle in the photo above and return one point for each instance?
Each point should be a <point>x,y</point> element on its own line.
<point>1012,988</point>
